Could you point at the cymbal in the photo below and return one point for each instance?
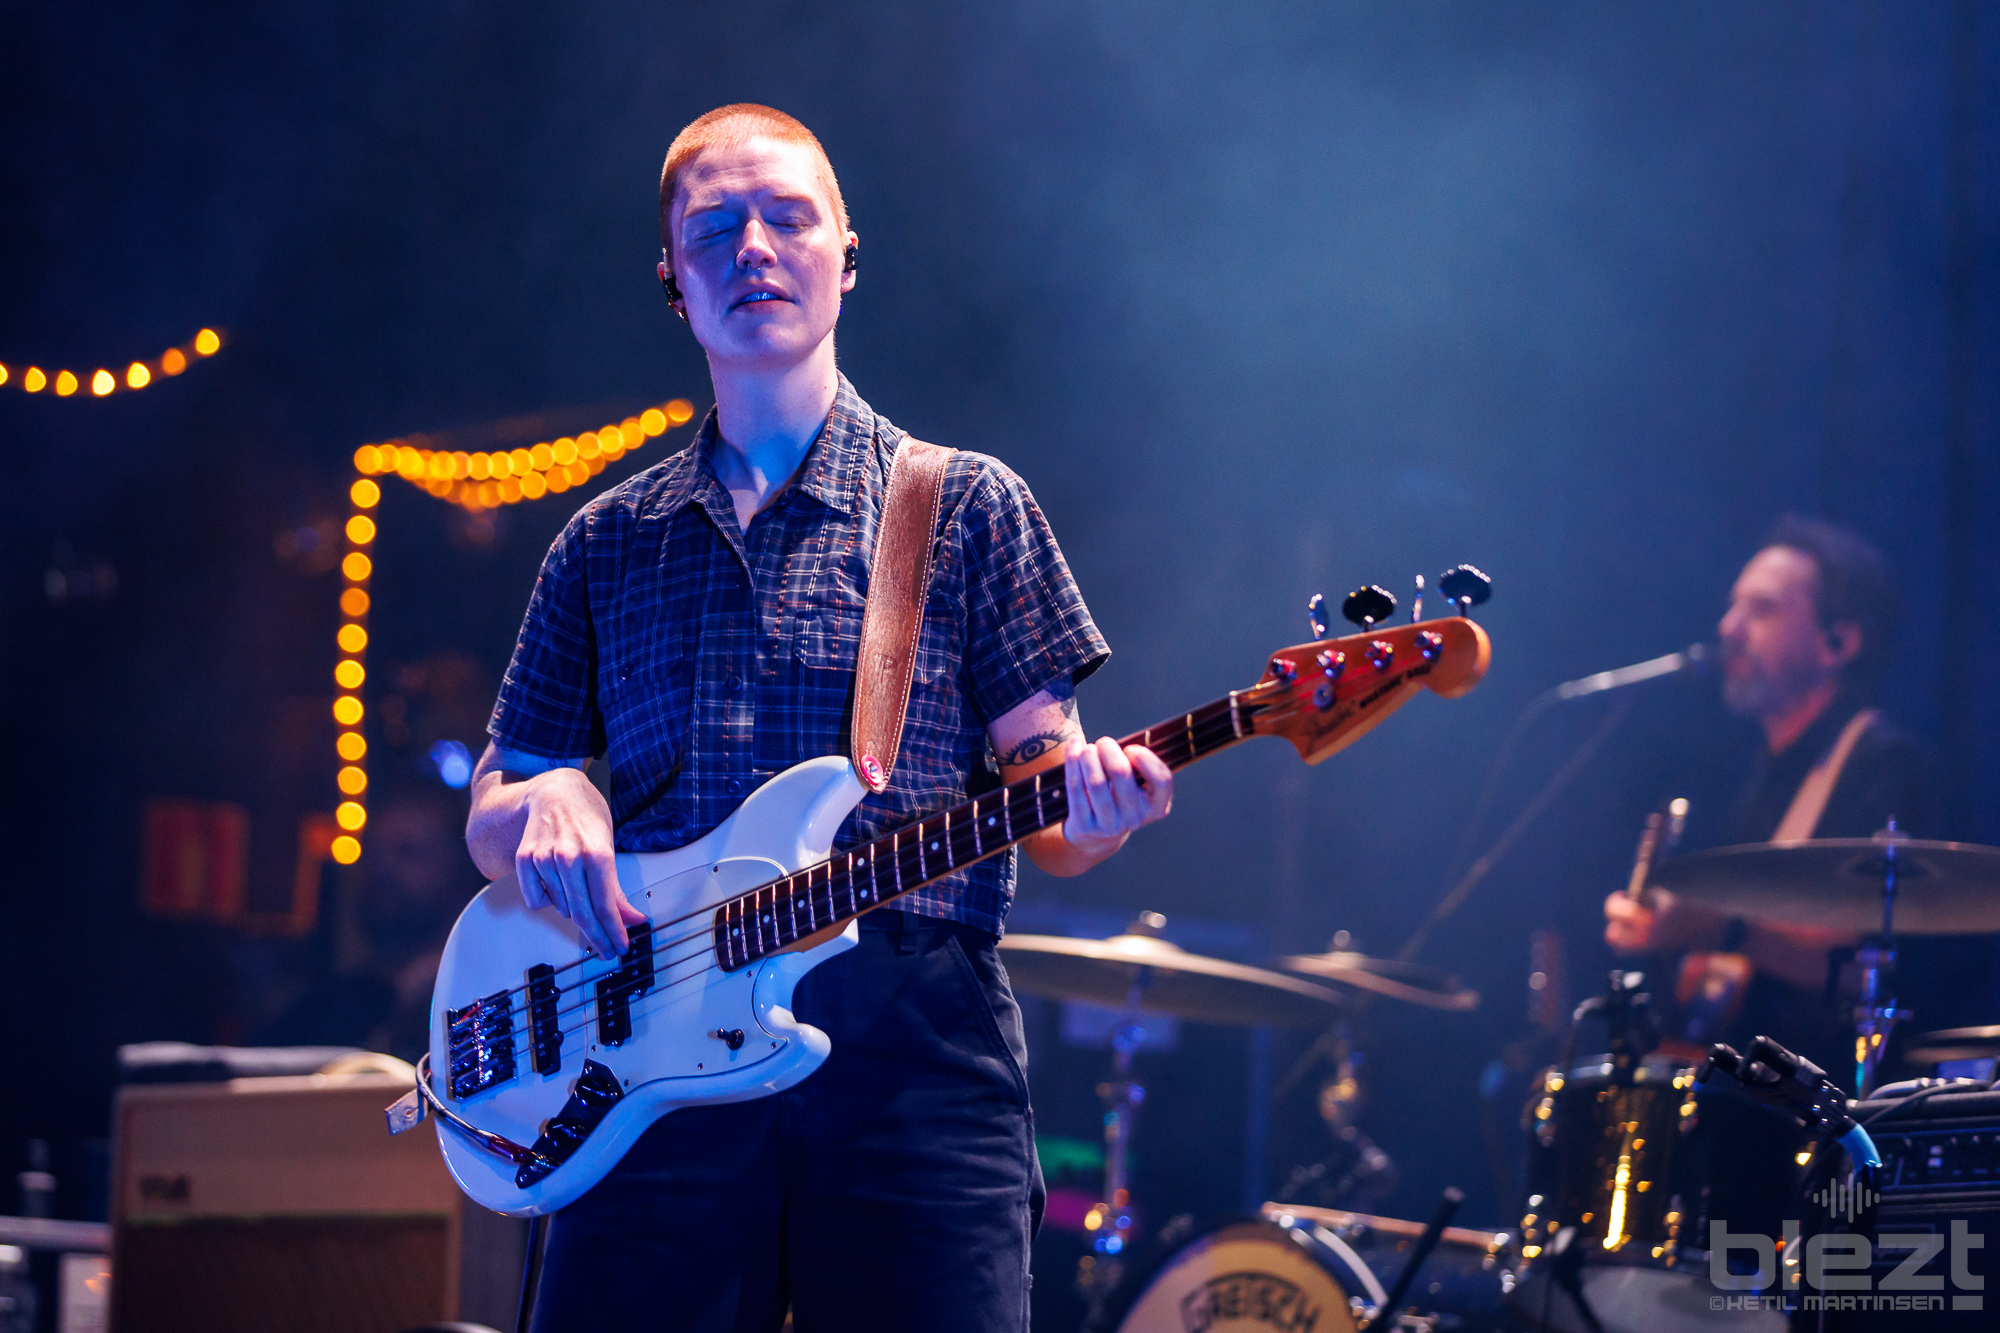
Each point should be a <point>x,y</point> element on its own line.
<point>1982,1043</point>
<point>1942,888</point>
<point>1428,986</point>
<point>1186,985</point>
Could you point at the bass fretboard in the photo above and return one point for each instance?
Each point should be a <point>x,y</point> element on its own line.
<point>823,898</point>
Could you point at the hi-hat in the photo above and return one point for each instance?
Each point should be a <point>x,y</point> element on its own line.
<point>1942,888</point>
<point>1172,980</point>
<point>1414,982</point>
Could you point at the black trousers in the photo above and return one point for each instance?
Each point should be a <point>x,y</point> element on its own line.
<point>896,1188</point>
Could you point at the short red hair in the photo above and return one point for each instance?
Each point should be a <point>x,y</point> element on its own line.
<point>734,124</point>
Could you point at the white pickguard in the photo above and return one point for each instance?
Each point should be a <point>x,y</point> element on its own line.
<point>670,1059</point>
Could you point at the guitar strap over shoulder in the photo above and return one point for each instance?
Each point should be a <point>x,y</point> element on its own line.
<point>1712,986</point>
<point>899,580</point>
<point>1801,819</point>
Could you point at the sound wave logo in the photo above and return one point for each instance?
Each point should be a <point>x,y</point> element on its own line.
<point>1849,1199</point>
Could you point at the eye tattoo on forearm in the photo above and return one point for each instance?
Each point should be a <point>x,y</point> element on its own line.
<point>1034,747</point>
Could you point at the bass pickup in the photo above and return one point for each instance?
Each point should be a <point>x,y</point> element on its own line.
<point>616,990</point>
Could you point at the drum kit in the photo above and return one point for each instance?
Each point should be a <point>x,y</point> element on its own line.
<point>1628,1156</point>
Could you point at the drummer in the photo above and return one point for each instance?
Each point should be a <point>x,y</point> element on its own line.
<point>1804,640</point>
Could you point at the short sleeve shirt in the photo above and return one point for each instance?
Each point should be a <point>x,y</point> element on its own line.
<point>700,660</point>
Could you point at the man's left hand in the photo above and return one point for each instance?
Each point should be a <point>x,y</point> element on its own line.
<point>1112,791</point>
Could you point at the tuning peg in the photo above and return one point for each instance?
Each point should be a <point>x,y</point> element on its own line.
<point>1417,602</point>
<point>1465,586</point>
<point>1368,605</point>
<point>1316,614</point>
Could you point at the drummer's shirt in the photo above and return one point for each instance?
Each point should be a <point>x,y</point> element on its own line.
<point>1887,775</point>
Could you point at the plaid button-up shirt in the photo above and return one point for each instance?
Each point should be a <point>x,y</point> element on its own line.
<point>700,659</point>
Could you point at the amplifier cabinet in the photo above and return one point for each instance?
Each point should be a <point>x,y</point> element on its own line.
<point>1940,1182</point>
<point>1943,1153</point>
<point>266,1203</point>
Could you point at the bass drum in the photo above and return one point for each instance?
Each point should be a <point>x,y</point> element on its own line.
<point>1243,1274</point>
<point>1309,1269</point>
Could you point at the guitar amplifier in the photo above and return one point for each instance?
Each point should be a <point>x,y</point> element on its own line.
<point>262,1203</point>
<point>1940,1181</point>
<point>1940,1157</point>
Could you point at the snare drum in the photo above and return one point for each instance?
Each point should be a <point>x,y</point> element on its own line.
<point>1312,1269</point>
<point>1636,1168</point>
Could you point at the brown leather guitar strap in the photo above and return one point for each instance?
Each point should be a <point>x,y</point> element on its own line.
<point>899,580</point>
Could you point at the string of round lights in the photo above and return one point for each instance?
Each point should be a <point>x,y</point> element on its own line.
<point>475,480</point>
<point>104,383</point>
<point>482,480</point>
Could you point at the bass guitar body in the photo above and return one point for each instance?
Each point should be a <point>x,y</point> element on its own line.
<point>697,1035</point>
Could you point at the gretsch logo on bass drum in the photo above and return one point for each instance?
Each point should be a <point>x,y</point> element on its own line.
<point>1248,1298</point>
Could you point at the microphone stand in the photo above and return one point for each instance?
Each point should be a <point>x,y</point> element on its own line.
<point>1483,866</point>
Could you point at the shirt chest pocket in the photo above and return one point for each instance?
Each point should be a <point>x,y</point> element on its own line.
<point>649,707</point>
<point>827,640</point>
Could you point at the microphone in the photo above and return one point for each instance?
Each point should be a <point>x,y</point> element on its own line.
<point>1695,657</point>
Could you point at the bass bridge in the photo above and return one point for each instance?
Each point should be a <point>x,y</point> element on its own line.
<point>482,1045</point>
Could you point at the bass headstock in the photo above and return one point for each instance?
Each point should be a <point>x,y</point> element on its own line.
<point>1324,695</point>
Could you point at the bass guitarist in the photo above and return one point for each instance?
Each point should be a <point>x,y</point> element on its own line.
<point>695,629</point>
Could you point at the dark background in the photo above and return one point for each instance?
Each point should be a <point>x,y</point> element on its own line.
<point>1262,301</point>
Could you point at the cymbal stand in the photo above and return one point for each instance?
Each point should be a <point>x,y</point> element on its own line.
<point>1876,1016</point>
<point>1110,1224</point>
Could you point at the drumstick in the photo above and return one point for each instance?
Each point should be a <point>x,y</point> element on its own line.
<point>1447,1206</point>
<point>1661,835</point>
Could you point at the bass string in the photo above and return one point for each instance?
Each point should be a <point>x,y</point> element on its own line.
<point>658,988</point>
<point>528,1018</point>
<point>564,1033</point>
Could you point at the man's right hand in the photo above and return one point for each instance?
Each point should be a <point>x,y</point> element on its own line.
<point>1628,924</point>
<point>556,828</point>
<point>1659,923</point>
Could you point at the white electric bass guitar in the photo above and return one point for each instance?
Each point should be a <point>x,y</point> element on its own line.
<point>546,1063</point>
